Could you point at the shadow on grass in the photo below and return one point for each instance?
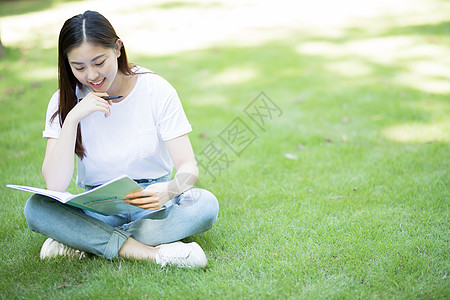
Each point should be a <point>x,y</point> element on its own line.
<point>374,81</point>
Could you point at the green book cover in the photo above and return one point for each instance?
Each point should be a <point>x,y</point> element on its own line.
<point>106,199</point>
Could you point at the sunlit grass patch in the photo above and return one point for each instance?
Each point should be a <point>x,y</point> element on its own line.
<point>419,133</point>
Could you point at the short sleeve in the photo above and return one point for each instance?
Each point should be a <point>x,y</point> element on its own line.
<point>172,120</point>
<point>52,127</point>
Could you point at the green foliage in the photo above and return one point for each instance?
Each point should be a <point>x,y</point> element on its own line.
<point>345,195</point>
<point>18,7</point>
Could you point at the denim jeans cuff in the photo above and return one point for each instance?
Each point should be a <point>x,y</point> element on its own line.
<point>116,242</point>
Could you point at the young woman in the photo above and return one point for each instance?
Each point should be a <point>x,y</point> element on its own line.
<point>143,135</point>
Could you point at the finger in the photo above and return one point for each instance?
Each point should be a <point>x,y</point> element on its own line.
<point>103,102</point>
<point>97,96</point>
<point>100,95</point>
<point>138,205</point>
<point>106,108</point>
<point>138,194</point>
<point>143,205</point>
<point>142,200</point>
<point>100,99</point>
<point>139,200</point>
<point>150,206</point>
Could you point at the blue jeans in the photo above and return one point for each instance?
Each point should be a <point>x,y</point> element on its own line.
<point>192,212</point>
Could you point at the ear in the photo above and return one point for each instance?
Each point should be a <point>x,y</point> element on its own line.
<point>119,45</point>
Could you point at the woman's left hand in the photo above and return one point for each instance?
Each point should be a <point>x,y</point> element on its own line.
<point>152,197</point>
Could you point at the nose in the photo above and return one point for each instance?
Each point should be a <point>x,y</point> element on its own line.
<point>92,74</point>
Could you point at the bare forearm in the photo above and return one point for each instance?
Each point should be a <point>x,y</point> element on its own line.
<point>184,179</point>
<point>58,165</point>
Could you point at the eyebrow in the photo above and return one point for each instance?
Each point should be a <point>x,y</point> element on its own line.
<point>92,60</point>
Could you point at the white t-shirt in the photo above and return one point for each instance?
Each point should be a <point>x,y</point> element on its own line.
<point>131,140</point>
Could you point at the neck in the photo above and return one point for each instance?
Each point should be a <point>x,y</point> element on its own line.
<point>118,86</point>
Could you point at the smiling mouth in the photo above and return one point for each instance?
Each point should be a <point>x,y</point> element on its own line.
<point>98,83</point>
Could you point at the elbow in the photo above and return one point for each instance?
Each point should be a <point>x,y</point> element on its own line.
<point>54,185</point>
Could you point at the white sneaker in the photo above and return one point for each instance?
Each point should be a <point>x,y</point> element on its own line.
<point>182,255</point>
<point>52,248</point>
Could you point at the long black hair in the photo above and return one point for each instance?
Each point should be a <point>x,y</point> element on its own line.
<point>95,29</point>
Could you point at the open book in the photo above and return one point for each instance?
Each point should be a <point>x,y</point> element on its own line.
<point>106,199</point>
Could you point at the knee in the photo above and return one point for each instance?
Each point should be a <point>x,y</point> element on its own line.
<point>212,202</point>
<point>209,207</point>
<point>33,209</point>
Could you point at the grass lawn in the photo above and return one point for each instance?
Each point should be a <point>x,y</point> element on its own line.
<point>342,192</point>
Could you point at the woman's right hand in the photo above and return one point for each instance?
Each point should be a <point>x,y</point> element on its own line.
<point>89,104</point>
<point>58,165</point>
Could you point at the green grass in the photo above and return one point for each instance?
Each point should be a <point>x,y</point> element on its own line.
<point>361,213</point>
<point>18,7</point>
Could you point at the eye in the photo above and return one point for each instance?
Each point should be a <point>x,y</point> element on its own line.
<point>79,69</point>
<point>99,64</point>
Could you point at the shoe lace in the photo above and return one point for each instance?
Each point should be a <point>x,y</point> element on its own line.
<point>69,251</point>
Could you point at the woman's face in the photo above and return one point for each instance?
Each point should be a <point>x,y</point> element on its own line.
<point>94,66</point>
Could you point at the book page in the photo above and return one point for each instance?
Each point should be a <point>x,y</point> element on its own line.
<point>60,196</point>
